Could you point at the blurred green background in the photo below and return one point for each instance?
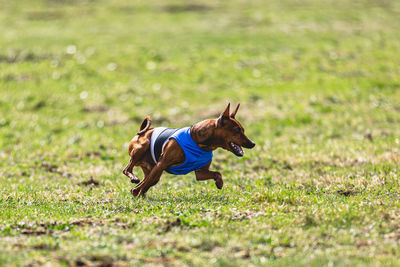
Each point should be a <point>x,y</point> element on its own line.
<point>318,82</point>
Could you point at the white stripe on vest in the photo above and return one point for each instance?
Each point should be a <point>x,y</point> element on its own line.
<point>157,131</point>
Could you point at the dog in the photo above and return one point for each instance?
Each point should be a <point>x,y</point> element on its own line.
<point>180,151</point>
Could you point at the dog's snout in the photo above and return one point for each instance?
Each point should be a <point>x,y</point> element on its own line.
<point>250,144</point>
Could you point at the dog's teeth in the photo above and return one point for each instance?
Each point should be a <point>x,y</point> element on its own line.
<point>236,149</point>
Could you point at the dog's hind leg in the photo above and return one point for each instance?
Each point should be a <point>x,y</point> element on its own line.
<point>149,180</point>
<point>205,174</point>
<point>172,154</point>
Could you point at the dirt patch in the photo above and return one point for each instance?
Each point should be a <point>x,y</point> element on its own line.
<point>23,56</point>
<point>116,222</point>
<point>170,224</point>
<point>91,181</point>
<point>96,260</point>
<point>34,231</point>
<point>244,254</point>
<point>95,109</point>
<point>40,104</point>
<point>53,168</point>
<point>18,78</point>
<point>364,243</point>
<point>89,202</point>
<point>187,8</point>
<point>47,228</point>
<point>162,260</point>
<point>103,261</point>
<point>50,167</point>
<point>40,246</point>
<point>245,215</point>
<point>45,15</point>
<point>83,222</point>
<point>93,154</point>
<point>347,193</point>
<point>369,137</point>
<point>124,225</point>
<point>287,166</point>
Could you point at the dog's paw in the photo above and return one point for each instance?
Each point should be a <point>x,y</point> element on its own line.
<point>219,182</point>
<point>135,180</point>
<point>132,177</point>
<point>135,191</point>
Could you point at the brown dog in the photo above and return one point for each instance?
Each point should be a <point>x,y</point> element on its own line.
<point>208,135</point>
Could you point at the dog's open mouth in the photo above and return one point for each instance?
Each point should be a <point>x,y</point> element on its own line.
<point>236,149</point>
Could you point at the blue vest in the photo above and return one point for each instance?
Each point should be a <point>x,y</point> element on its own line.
<point>195,157</point>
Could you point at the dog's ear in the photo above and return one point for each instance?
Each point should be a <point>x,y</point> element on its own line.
<point>146,123</point>
<point>224,115</point>
<point>233,114</point>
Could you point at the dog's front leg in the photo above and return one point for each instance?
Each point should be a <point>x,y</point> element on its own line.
<point>137,147</point>
<point>205,174</point>
<point>128,171</point>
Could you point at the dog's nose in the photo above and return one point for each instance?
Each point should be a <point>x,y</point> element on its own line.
<point>252,144</point>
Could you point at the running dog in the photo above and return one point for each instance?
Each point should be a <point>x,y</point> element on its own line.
<point>180,151</point>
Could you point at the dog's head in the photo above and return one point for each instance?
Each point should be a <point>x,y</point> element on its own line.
<point>231,133</point>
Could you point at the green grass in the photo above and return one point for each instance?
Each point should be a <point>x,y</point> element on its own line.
<point>319,84</point>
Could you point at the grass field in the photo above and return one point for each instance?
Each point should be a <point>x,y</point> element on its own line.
<point>319,84</point>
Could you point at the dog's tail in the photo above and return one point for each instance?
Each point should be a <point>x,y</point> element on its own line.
<point>146,123</point>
